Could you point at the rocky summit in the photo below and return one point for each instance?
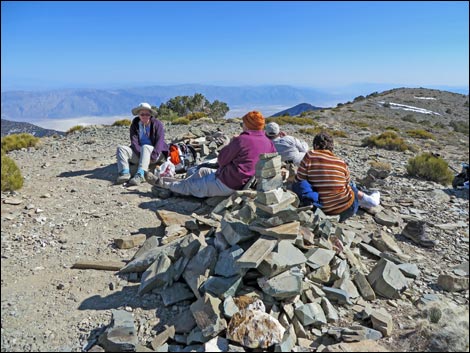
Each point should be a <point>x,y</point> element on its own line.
<point>87,265</point>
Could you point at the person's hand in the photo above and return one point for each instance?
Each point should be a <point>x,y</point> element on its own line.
<point>282,134</point>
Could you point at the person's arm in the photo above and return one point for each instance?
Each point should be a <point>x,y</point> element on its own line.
<point>302,170</point>
<point>229,152</point>
<point>301,145</point>
<point>160,144</point>
<point>134,136</point>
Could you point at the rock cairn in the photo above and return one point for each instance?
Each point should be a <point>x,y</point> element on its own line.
<point>261,273</point>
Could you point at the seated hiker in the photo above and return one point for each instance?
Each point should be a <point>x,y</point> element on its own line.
<point>329,176</point>
<point>290,148</point>
<point>148,145</point>
<point>236,164</point>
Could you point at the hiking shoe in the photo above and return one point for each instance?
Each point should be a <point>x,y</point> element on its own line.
<point>123,178</point>
<point>415,230</point>
<point>136,180</point>
<point>151,178</point>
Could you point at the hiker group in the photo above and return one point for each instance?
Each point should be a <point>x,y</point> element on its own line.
<point>321,179</point>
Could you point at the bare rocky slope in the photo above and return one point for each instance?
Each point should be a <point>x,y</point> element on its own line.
<point>69,210</point>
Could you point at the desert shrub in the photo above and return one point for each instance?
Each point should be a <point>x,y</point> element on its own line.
<point>381,165</point>
<point>460,126</point>
<point>76,128</point>
<point>196,116</point>
<point>439,125</point>
<point>388,140</point>
<point>18,141</point>
<point>393,128</point>
<point>11,175</point>
<point>420,134</point>
<point>361,124</point>
<point>181,121</point>
<point>386,105</point>
<point>317,129</point>
<point>430,167</point>
<point>466,104</point>
<point>123,122</point>
<point>359,98</point>
<point>410,118</point>
<point>283,120</point>
<point>372,117</point>
<point>449,111</point>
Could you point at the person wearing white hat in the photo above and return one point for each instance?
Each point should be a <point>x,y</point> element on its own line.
<point>148,145</point>
<point>290,148</point>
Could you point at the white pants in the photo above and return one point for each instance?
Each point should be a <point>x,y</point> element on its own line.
<point>203,183</point>
<point>125,155</point>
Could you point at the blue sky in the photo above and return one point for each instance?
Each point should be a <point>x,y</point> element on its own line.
<point>313,44</point>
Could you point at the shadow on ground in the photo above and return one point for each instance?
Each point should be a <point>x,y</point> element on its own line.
<point>107,173</point>
<point>127,296</point>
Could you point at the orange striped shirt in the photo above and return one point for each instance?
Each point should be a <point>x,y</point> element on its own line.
<point>329,176</point>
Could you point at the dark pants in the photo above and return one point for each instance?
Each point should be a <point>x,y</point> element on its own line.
<point>352,210</point>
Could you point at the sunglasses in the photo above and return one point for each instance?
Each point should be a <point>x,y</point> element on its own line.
<point>145,114</point>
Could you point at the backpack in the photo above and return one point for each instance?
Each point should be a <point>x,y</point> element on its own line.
<point>183,156</point>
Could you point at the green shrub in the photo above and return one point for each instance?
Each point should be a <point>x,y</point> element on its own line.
<point>317,129</point>
<point>393,128</point>
<point>388,140</point>
<point>18,141</point>
<point>420,134</point>
<point>11,175</point>
<point>196,116</point>
<point>410,118</point>
<point>361,124</point>
<point>76,128</point>
<point>181,121</point>
<point>460,126</point>
<point>123,122</point>
<point>430,167</point>
<point>283,120</point>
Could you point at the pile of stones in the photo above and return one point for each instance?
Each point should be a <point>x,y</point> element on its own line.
<point>257,272</point>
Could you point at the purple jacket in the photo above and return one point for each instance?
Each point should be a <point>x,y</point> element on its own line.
<point>237,160</point>
<point>157,136</point>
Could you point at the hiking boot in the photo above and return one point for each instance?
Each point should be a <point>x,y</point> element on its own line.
<point>136,180</point>
<point>123,178</point>
<point>151,178</point>
<point>416,231</point>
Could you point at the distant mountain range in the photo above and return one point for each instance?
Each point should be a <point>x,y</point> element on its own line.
<point>70,103</point>
<point>16,127</point>
<point>297,110</point>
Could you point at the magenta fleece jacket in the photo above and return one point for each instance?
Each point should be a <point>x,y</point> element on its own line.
<point>237,160</point>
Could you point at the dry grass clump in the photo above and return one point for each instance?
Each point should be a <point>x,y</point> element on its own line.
<point>76,128</point>
<point>18,141</point>
<point>360,124</point>
<point>430,167</point>
<point>381,165</point>
<point>123,122</point>
<point>388,140</point>
<point>11,175</point>
<point>421,134</point>
<point>181,121</point>
<point>283,120</point>
<point>316,130</point>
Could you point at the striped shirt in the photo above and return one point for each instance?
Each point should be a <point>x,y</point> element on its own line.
<point>329,176</point>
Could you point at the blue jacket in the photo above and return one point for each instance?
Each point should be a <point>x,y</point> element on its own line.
<point>306,194</point>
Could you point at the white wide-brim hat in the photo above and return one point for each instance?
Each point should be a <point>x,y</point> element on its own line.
<point>141,106</point>
<point>272,129</point>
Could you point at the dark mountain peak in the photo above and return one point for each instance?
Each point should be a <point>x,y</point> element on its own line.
<point>298,109</point>
<point>16,127</point>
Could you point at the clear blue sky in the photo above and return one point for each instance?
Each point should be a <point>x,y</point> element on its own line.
<point>316,44</point>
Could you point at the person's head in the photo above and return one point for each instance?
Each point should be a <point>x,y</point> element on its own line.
<point>272,130</point>
<point>253,121</point>
<point>144,111</point>
<point>323,141</point>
